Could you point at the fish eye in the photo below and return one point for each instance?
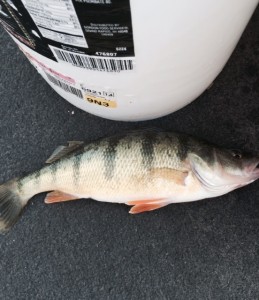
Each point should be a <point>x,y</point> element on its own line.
<point>236,154</point>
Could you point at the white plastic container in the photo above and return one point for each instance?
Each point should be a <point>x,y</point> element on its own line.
<point>179,49</point>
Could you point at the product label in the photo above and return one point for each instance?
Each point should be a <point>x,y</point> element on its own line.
<point>92,34</point>
<point>101,101</point>
<point>92,62</point>
<point>57,20</point>
<point>107,27</point>
<point>99,96</point>
<point>16,20</point>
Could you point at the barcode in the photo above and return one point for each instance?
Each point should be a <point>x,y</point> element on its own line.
<point>94,63</point>
<point>65,86</point>
<point>98,1</point>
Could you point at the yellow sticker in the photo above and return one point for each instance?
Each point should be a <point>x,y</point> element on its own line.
<point>101,101</point>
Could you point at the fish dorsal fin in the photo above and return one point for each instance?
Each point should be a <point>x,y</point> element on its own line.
<point>75,143</point>
<point>63,151</point>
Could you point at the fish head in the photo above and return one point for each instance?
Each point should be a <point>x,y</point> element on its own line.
<point>221,170</point>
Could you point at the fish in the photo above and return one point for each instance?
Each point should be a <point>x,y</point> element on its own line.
<point>145,169</point>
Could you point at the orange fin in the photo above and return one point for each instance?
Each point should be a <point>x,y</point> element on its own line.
<point>146,205</point>
<point>140,202</point>
<point>57,196</point>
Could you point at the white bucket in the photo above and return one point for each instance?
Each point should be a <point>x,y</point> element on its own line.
<point>134,59</point>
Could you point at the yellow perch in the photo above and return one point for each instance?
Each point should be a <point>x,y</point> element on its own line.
<point>145,169</point>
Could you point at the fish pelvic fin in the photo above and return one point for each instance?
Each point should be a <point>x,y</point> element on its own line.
<point>11,205</point>
<point>146,205</point>
<point>57,196</point>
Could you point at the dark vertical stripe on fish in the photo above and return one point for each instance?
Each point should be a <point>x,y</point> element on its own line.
<point>76,168</point>
<point>19,185</point>
<point>183,146</point>
<point>147,150</point>
<point>109,157</point>
<point>37,177</point>
<point>53,171</point>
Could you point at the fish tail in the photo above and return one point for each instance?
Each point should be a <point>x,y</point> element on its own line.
<point>11,205</point>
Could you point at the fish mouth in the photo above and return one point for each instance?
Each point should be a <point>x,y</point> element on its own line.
<point>256,166</point>
<point>256,169</point>
<point>253,170</point>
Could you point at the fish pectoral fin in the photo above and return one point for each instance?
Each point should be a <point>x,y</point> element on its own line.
<point>169,174</point>
<point>57,196</point>
<point>63,151</point>
<point>146,205</point>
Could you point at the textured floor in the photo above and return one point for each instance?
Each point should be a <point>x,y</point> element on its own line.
<point>90,250</point>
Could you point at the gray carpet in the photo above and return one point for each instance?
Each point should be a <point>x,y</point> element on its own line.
<point>91,250</point>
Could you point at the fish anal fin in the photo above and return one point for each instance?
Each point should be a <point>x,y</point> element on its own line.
<point>57,196</point>
<point>146,205</point>
<point>62,151</point>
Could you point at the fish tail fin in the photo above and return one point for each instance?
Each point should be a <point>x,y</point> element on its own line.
<point>11,205</point>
